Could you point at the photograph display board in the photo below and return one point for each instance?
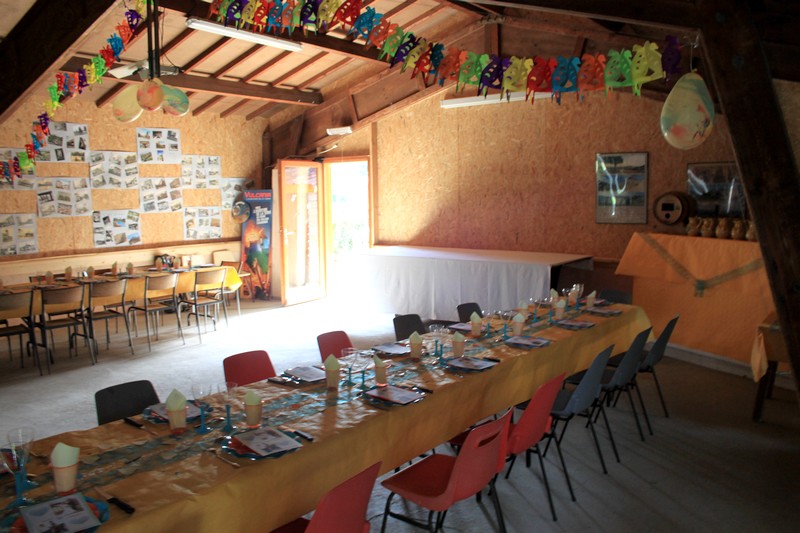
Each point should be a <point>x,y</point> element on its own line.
<point>18,234</point>
<point>67,143</point>
<point>119,227</point>
<point>621,182</point>
<point>63,197</point>
<point>233,187</point>
<point>202,223</point>
<point>113,170</point>
<point>158,145</point>
<point>7,155</point>
<point>201,171</point>
<point>160,195</point>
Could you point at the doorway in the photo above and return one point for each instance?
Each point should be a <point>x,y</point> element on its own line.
<point>347,220</point>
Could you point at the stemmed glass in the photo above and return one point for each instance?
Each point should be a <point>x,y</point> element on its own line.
<point>361,362</point>
<point>14,459</point>
<point>349,357</point>
<point>228,390</point>
<point>436,331</point>
<point>199,392</point>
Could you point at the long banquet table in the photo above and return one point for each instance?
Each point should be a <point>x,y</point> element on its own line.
<point>431,282</point>
<point>175,487</point>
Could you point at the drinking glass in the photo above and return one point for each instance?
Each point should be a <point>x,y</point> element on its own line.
<point>15,458</point>
<point>199,392</point>
<point>229,391</point>
<point>349,357</point>
<point>437,331</point>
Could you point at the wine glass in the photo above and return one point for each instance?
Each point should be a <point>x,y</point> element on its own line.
<point>199,392</point>
<point>229,391</point>
<point>14,459</point>
<point>436,331</point>
<point>349,357</point>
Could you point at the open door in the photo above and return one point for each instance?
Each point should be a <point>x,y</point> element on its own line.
<point>302,232</point>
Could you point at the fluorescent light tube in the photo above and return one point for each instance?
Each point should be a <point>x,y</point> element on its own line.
<point>346,130</point>
<point>470,101</point>
<point>234,33</point>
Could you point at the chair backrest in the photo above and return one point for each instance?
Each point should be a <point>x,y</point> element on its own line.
<point>588,390</point>
<point>163,282</point>
<point>405,325</point>
<point>535,420</point>
<point>62,300</point>
<point>333,342</point>
<point>236,265</point>
<point>479,459</point>
<point>222,256</point>
<point>343,509</point>
<point>615,295</point>
<point>248,367</point>
<point>630,361</point>
<point>657,349</point>
<point>16,305</point>
<point>107,293</point>
<point>465,311</point>
<point>125,399</point>
<point>209,279</point>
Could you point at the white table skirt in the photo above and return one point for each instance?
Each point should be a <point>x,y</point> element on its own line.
<point>432,282</point>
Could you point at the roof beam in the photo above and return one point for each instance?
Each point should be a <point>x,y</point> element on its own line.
<point>222,87</point>
<point>46,35</point>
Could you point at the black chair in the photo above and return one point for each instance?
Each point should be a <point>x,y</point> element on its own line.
<point>126,399</point>
<point>616,296</point>
<point>405,325</point>
<point>465,311</point>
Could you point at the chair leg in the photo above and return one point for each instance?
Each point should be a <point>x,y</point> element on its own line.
<point>147,330</point>
<point>610,435</point>
<point>497,509</point>
<point>386,512</point>
<point>660,395</point>
<point>511,465</point>
<point>128,329</point>
<point>635,415</point>
<point>546,483</point>
<point>597,446</point>
<point>644,409</point>
<point>550,437</point>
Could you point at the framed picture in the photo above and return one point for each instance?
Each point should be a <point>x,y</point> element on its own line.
<point>717,188</point>
<point>621,188</point>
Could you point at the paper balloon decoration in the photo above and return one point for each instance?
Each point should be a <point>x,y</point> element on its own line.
<point>150,95</point>
<point>687,117</point>
<point>125,106</point>
<point>175,101</point>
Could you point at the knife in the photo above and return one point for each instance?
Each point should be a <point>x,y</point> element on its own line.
<point>116,501</point>
<point>136,424</point>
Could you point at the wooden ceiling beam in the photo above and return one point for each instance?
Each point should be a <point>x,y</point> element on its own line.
<point>280,80</point>
<point>425,16</point>
<point>177,41</point>
<point>46,35</point>
<point>468,8</point>
<point>237,61</point>
<point>266,66</point>
<point>110,95</point>
<point>232,109</point>
<point>333,68</point>
<point>203,84</point>
<point>260,111</point>
<point>206,105</point>
<point>764,154</point>
<point>206,54</point>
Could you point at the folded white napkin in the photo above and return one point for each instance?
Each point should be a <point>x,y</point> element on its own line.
<point>176,400</point>
<point>64,455</point>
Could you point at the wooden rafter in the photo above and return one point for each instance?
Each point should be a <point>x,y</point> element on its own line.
<point>237,61</point>
<point>206,54</point>
<point>261,110</point>
<point>281,80</point>
<point>109,95</point>
<point>266,66</point>
<point>310,81</point>
<point>232,109</point>
<point>206,105</point>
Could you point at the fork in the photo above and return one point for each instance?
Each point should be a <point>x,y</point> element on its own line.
<point>219,456</point>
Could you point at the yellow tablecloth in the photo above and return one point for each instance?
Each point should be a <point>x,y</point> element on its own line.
<point>769,345</point>
<point>204,494</point>
<point>724,318</point>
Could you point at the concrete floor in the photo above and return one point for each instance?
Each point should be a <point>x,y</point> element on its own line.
<point>707,468</point>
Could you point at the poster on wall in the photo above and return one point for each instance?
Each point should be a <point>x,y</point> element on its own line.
<point>233,187</point>
<point>67,143</point>
<point>621,188</point>
<point>113,170</point>
<point>160,195</point>
<point>9,179</point>
<point>118,227</point>
<point>63,197</point>
<point>18,234</point>
<point>201,223</point>
<point>158,145</point>
<point>256,232</point>
<point>201,171</point>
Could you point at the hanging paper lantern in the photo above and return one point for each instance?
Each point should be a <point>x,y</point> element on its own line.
<point>175,101</point>
<point>150,95</point>
<point>126,107</point>
<point>687,117</point>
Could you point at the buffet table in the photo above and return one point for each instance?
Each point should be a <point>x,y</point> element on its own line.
<point>718,286</point>
<point>432,282</point>
<point>175,487</point>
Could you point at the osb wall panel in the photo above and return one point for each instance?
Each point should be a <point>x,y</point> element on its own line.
<point>236,140</point>
<point>201,197</point>
<point>521,177</point>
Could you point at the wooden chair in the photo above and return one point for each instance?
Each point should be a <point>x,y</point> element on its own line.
<point>159,297</point>
<point>20,306</point>
<point>237,266</point>
<point>68,303</point>
<point>110,296</point>
<point>208,292</point>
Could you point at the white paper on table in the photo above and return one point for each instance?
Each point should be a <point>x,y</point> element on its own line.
<point>461,326</point>
<point>392,348</point>
<point>66,514</point>
<point>306,373</point>
<point>267,441</point>
<point>160,410</point>
<point>603,312</point>
<point>470,363</point>
<point>531,342</point>
<point>394,394</point>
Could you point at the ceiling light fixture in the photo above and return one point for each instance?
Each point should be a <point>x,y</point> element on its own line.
<point>195,23</point>
<point>346,130</point>
<point>469,101</point>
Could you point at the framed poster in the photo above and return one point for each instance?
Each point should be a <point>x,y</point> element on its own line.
<point>717,188</point>
<point>621,181</point>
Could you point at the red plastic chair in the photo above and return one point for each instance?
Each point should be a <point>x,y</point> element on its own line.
<point>342,510</point>
<point>439,481</point>
<point>248,367</point>
<point>534,426</point>
<point>332,343</point>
